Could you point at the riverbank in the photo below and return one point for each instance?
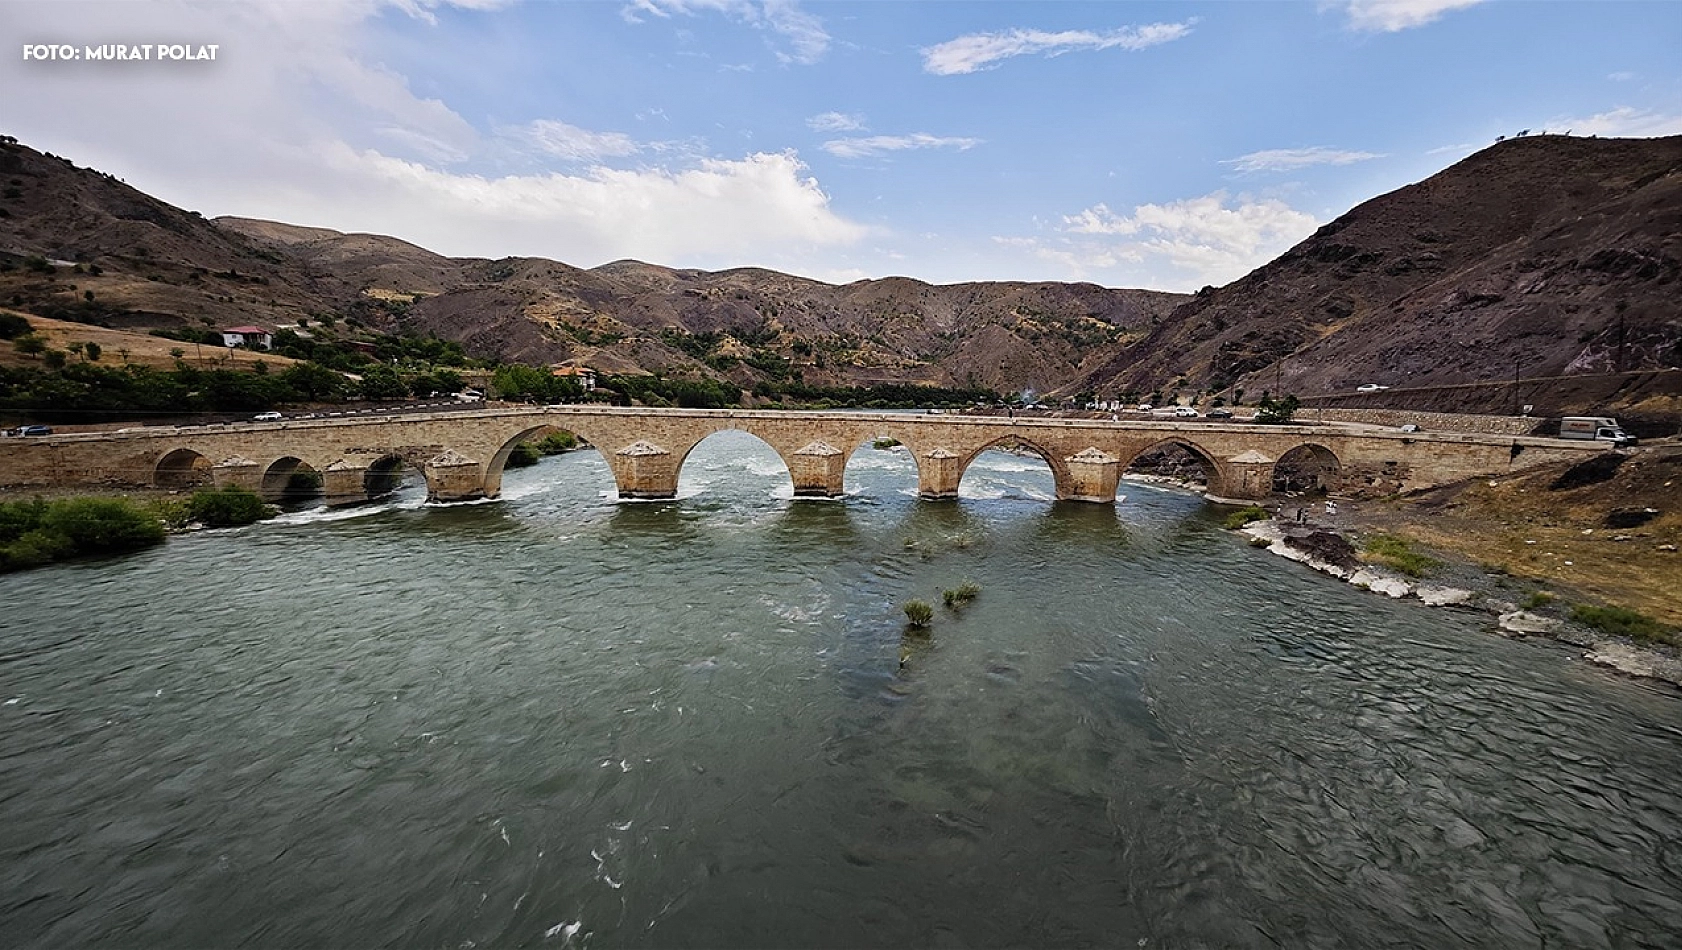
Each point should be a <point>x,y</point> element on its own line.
<point>1533,551</point>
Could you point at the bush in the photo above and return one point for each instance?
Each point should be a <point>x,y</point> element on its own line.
<point>39,532</point>
<point>1244,516</point>
<point>918,613</point>
<point>557,442</point>
<point>12,326</point>
<point>1397,553</point>
<point>228,507</point>
<point>523,455</point>
<point>1621,622</point>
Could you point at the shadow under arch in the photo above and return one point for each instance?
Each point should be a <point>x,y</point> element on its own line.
<point>182,468</point>
<point>388,473</point>
<point>290,480</point>
<point>751,460</point>
<point>498,464</point>
<point>1309,467</point>
<point>1178,460</point>
<point>1023,449</point>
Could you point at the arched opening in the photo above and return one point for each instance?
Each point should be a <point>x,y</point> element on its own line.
<point>1173,463</point>
<point>182,468</point>
<point>732,463</point>
<point>569,463</point>
<point>291,481</point>
<point>392,474</point>
<point>880,467</point>
<point>1306,469</point>
<point>1010,468</point>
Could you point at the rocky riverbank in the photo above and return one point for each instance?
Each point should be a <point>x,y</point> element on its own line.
<point>1517,607</point>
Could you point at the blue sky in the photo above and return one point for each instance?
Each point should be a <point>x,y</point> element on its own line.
<point>1161,145</point>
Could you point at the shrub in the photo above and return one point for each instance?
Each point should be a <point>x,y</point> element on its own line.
<point>12,326</point>
<point>1622,622</point>
<point>557,442</point>
<point>1397,553</point>
<point>964,593</point>
<point>228,507</point>
<point>918,613</point>
<point>39,532</point>
<point>523,455</point>
<point>1540,598</point>
<point>1244,516</point>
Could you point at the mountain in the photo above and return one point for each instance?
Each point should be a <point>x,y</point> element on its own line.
<point>148,264</point>
<point>1539,256</point>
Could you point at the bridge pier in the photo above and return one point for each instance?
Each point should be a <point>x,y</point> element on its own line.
<point>343,483</point>
<point>453,477</point>
<point>644,470</point>
<point>1093,475</point>
<point>237,472</point>
<point>938,473</point>
<point>817,470</point>
<point>1246,477</point>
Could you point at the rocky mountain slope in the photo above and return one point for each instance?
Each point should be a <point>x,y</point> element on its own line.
<point>1539,256</point>
<point>148,264</point>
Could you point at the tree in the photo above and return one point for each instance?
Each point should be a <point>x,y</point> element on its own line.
<point>1276,412</point>
<point>30,344</point>
<point>382,382</point>
<point>228,507</point>
<point>313,381</point>
<point>92,351</point>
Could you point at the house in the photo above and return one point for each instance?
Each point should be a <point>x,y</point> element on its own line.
<point>584,375</point>
<point>248,337</point>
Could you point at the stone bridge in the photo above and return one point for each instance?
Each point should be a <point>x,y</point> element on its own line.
<point>462,453</point>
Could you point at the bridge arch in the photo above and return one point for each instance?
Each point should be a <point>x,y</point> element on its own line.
<point>182,468</point>
<point>290,478</point>
<point>1014,444</point>
<point>386,474</point>
<point>756,468</point>
<point>1307,467</point>
<point>1171,457</point>
<point>498,462</point>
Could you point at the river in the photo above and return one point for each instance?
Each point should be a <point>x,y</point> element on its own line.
<point>555,720</point>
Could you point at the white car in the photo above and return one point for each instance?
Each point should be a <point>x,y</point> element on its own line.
<point>266,417</point>
<point>1370,388</point>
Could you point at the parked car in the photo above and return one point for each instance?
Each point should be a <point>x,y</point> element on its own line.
<point>1410,427</point>
<point>1219,412</point>
<point>266,417</point>
<point>35,430</point>
<point>1370,388</point>
<point>1185,412</point>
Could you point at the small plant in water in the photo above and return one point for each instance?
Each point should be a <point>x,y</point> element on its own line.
<point>918,613</point>
<point>963,594</point>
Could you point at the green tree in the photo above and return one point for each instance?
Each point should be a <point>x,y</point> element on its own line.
<point>93,351</point>
<point>313,382</point>
<point>382,382</point>
<point>12,326</point>
<point>1276,411</point>
<point>30,344</point>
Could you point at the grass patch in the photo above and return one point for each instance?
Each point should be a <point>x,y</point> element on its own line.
<point>1244,516</point>
<point>1397,554</point>
<point>1538,599</point>
<point>1622,622</point>
<point>918,613</point>
<point>961,595</point>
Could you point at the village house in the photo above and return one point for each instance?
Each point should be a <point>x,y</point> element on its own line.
<point>249,337</point>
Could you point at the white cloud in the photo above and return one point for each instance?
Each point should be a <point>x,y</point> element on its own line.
<point>1622,122</point>
<point>1291,159</point>
<point>836,122</point>
<point>1183,244</point>
<point>291,123</point>
<point>977,51</point>
<point>1622,76</point>
<point>874,145</point>
<point>571,143</point>
<point>1391,16</point>
<point>803,32</point>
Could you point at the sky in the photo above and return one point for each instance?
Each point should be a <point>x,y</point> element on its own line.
<point>1131,144</point>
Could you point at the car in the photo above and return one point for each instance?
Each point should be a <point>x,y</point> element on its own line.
<point>35,430</point>
<point>1370,388</point>
<point>1410,427</point>
<point>266,417</point>
<point>1142,407</point>
<point>1218,413</point>
<point>1185,412</point>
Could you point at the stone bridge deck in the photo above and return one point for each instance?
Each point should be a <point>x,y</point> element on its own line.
<point>462,453</point>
